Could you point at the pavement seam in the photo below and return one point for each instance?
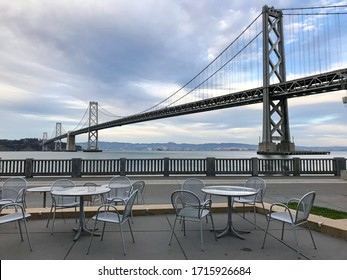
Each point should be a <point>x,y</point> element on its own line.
<point>179,243</point>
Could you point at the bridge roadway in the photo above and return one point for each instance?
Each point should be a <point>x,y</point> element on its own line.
<point>326,82</point>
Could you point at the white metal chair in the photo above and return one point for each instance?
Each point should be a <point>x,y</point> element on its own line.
<point>195,185</point>
<point>188,208</point>
<point>294,218</point>
<point>108,213</point>
<point>14,191</point>
<point>140,186</point>
<point>15,213</point>
<point>93,199</point>
<point>260,185</point>
<point>121,190</point>
<point>60,201</point>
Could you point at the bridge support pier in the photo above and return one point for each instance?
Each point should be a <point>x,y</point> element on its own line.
<point>70,142</point>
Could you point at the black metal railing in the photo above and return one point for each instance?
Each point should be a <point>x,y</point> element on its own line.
<point>210,166</point>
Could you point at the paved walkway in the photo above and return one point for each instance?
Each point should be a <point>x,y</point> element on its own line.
<point>152,232</point>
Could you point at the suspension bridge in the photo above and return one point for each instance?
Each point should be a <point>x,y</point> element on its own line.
<point>281,54</point>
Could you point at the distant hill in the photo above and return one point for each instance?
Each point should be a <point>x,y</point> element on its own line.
<point>171,146</point>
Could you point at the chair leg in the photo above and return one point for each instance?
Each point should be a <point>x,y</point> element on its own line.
<point>309,230</point>
<point>173,229</point>
<point>103,231</point>
<point>121,234</point>
<point>27,232</point>
<point>91,237</point>
<point>213,228</point>
<point>131,231</point>
<point>20,230</point>
<point>262,203</point>
<point>201,237</point>
<point>296,241</point>
<point>49,216</point>
<point>255,215</point>
<point>267,229</point>
<point>53,220</point>
<point>282,235</point>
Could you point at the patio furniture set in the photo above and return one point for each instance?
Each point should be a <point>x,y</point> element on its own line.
<point>192,202</point>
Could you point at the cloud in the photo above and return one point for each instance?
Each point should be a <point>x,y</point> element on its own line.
<point>56,56</point>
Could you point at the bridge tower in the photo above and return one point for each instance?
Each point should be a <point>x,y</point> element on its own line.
<point>44,139</point>
<point>93,120</point>
<point>276,134</point>
<point>57,143</point>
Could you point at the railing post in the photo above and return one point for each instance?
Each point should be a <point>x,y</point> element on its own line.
<point>29,167</point>
<point>76,167</point>
<point>255,166</point>
<point>210,166</point>
<point>122,168</point>
<point>339,165</point>
<point>296,166</point>
<point>166,167</point>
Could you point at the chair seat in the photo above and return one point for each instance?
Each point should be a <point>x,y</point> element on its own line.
<point>281,216</point>
<point>109,217</point>
<point>117,199</point>
<point>193,213</point>
<point>68,204</point>
<point>13,217</point>
<point>3,202</point>
<point>244,200</point>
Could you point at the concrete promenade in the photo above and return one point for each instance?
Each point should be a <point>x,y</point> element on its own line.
<point>153,222</point>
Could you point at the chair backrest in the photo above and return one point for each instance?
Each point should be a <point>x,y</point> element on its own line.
<point>258,184</point>
<point>304,207</point>
<point>129,205</point>
<point>181,199</point>
<point>195,185</point>
<point>120,187</point>
<point>61,185</point>
<point>140,186</point>
<point>14,189</point>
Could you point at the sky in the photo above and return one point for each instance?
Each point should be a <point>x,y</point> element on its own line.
<point>57,56</point>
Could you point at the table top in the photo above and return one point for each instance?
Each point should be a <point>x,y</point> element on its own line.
<point>81,191</point>
<point>39,189</point>
<point>229,190</point>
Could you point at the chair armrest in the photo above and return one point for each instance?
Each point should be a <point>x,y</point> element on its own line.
<point>106,208</point>
<point>118,198</point>
<point>15,205</point>
<point>206,204</point>
<point>293,200</point>
<point>286,209</point>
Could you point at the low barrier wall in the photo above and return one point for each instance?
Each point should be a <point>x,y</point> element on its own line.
<point>77,167</point>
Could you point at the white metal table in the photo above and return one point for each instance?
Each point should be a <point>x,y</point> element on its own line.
<point>81,192</point>
<point>230,192</point>
<point>44,190</point>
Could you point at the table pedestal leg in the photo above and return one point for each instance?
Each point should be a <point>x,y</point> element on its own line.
<point>82,224</point>
<point>229,229</point>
